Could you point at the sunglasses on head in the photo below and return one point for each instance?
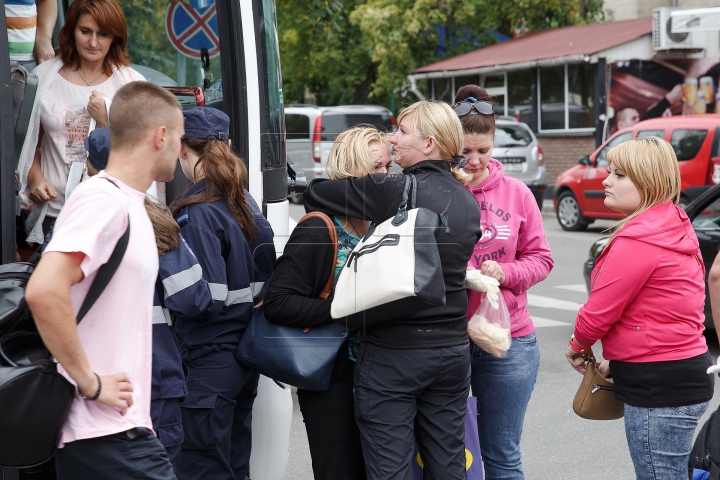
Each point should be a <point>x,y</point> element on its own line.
<point>481,107</point>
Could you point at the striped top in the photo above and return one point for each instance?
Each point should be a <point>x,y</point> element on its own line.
<point>21,18</point>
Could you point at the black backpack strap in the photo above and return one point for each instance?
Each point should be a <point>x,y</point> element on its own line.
<point>106,271</point>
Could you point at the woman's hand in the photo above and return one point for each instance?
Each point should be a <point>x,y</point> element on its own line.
<point>604,369</point>
<point>39,189</point>
<point>576,358</point>
<point>98,109</point>
<point>494,270</point>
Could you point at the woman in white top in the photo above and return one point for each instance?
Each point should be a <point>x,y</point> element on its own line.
<point>92,63</point>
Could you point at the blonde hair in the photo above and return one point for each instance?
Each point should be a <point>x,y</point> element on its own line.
<point>651,165</point>
<point>350,154</point>
<point>439,121</point>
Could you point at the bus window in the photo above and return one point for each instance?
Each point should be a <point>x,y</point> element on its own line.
<point>193,26</point>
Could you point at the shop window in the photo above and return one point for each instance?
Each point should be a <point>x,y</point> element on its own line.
<point>552,98</point>
<point>499,107</point>
<point>494,81</point>
<point>519,94</point>
<point>442,89</point>
<point>466,80</point>
<point>581,94</point>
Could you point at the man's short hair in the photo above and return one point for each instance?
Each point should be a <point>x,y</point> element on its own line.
<point>137,109</point>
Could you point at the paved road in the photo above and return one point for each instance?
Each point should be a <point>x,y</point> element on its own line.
<point>556,444</point>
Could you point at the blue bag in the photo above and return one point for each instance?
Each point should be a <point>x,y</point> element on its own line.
<point>473,460</point>
<point>302,357</point>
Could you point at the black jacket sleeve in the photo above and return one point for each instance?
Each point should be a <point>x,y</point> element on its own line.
<point>299,276</point>
<point>373,197</point>
<point>656,110</point>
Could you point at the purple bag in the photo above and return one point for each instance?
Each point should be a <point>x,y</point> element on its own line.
<point>472,447</point>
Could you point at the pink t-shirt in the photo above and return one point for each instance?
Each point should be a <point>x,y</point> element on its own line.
<point>116,333</point>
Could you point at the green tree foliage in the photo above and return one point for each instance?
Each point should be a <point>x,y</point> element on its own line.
<point>361,50</point>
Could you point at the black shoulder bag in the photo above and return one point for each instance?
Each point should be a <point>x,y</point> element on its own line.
<point>34,397</point>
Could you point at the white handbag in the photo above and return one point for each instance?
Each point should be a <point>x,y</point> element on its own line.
<point>395,269</point>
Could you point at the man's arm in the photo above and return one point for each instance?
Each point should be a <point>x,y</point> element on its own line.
<point>714,289</point>
<point>48,296</point>
<point>46,17</point>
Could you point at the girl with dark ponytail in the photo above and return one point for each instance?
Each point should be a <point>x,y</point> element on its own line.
<point>518,258</point>
<point>233,243</point>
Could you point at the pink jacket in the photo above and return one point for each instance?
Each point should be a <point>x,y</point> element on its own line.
<point>513,236</point>
<point>647,291</point>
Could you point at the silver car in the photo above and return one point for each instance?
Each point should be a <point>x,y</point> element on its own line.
<point>312,130</point>
<point>517,148</point>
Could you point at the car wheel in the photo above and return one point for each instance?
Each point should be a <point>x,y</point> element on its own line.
<point>568,213</point>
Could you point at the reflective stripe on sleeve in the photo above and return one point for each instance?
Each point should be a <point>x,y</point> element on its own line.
<point>218,291</point>
<point>182,280</point>
<point>161,315</point>
<point>244,295</point>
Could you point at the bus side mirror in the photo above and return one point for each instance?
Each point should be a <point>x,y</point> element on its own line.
<point>296,177</point>
<point>585,160</point>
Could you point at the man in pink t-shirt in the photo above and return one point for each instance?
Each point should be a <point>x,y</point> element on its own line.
<point>108,433</point>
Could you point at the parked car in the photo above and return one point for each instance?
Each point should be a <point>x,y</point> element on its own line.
<point>517,148</point>
<point>704,213</point>
<point>311,131</point>
<point>580,196</point>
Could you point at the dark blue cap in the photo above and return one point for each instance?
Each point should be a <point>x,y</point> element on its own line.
<point>205,123</point>
<point>98,146</point>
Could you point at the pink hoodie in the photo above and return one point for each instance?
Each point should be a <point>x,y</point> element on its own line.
<point>648,291</point>
<point>513,236</point>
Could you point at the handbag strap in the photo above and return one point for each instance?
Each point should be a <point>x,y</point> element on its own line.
<point>327,289</point>
<point>106,271</point>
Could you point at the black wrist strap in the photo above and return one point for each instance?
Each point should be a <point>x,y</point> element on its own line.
<point>106,271</point>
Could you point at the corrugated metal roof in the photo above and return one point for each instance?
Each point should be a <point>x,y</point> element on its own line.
<point>546,44</point>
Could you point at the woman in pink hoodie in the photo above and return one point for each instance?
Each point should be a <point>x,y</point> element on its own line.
<point>646,306</point>
<point>513,250</point>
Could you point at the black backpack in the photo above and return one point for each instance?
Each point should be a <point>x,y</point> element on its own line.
<point>34,397</point>
<point>705,454</point>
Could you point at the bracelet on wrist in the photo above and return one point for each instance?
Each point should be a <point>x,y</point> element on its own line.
<point>97,394</point>
<point>575,347</point>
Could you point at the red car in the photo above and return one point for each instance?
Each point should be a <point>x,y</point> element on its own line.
<point>580,195</point>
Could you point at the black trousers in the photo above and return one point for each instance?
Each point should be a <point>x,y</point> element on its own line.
<point>329,418</point>
<point>402,394</point>
<point>136,454</point>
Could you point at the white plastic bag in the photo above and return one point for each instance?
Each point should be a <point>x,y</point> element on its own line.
<point>489,327</point>
<point>474,280</point>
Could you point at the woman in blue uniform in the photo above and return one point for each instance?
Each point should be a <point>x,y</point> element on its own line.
<point>233,244</point>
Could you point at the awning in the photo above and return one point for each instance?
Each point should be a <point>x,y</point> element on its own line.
<point>695,20</point>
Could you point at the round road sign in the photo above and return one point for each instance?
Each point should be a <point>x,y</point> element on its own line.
<point>190,30</point>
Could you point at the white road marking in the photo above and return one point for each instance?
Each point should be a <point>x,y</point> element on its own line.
<point>547,302</point>
<point>540,322</point>
<point>580,287</point>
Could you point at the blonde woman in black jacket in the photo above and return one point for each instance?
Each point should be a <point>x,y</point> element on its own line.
<point>412,375</point>
<point>292,300</point>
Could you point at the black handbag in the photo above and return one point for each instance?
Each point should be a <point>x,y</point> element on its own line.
<point>302,357</point>
<point>34,397</point>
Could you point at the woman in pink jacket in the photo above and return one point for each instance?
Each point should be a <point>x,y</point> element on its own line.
<point>646,306</point>
<point>513,250</point>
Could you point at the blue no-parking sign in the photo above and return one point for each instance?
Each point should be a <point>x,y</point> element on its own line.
<point>190,30</point>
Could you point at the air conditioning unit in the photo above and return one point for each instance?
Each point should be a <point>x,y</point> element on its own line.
<point>664,39</point>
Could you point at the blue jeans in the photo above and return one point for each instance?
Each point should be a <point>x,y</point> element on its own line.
<point>660,439</point>
<point>503,387</point>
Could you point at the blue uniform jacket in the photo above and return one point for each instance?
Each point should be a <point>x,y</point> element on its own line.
<point>179,290</point>
<point>234,269</point>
